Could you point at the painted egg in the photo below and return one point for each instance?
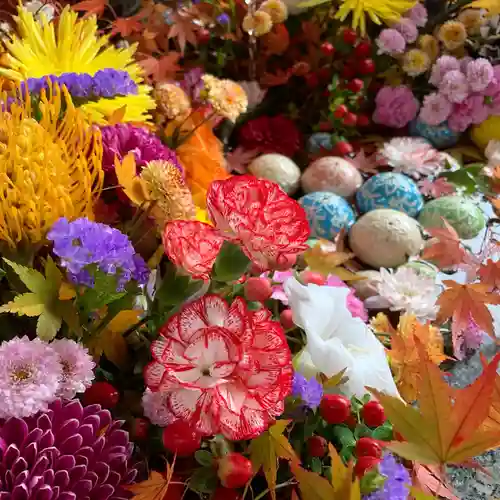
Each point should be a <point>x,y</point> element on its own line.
<point>486,131</point>
<point>277,168</point>
<point>319,141</point>
<point>327,214</point>
<point>462,214</point>
<point>390,190</point>
<point>332,174</point>
<point>385,238</point>
<point>440,136</point>
<point>367,287</point>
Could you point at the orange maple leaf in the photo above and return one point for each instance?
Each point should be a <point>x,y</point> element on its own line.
<point>159,486</point>
<point>126,26</point>
<point>91,7</point>
<point>431,480</point>
<point>462,303</point>
<point>445,248</point>
<point>447,426</point>
<point>493,420</point>
<point>489,274</point>
<point>163,68</point>
<point>183,30</point>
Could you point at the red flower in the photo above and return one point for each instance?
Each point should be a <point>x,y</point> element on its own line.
<point>270,134</point>
<point>193,246</point>
<point>225,369</point>
<point>259,216</point>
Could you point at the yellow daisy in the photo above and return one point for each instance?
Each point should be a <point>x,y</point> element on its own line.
<point>73,45</point>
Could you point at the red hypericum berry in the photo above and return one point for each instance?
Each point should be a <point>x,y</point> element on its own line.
<point>364,464</point>
<point>101,393</point>
<point>366,66</point>
<point>327,48</point>
<point>355,85</point>
<point>368,447</point>
<point>312,80</point>
<point>349,36</point>
<point>234,470</point>
<point>348,72</point>
<point>350,120</point>
<point>363,49</point>
<point>203,36</point>
<point>340,111</point>
<point>312,277</point>
<point>179,437</point>
<point>373,414</point>
<point>286,319</point>
<point>317,446</point>
<point>335,408</point>
<point>222,493</point>
<point>140,428</point>
<point>258,289</point>
<point>363,121</point>
<point>343,148</point>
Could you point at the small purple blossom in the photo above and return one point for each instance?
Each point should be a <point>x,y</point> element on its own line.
<point>443,65</point>
<point>309,391</point>
<point>390,41</point>
<point>396,485</point>
<point>407,28</point>
<point>395,106</point>
<point>435,109</point>
<point>223,19</point>
<point>480,74</point>
<point>83,245</point>
<point>418,14</point>
<point>454,86</point>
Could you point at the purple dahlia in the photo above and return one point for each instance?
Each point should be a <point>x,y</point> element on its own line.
<point>123,138</point>
<point>65,453</point>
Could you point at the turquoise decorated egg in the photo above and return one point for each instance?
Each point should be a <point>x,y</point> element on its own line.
<point>440,136</point>
<point>332,174</point>
<point>385,238</point>
<point>319,141</point>
<point>277,168</point>
<point>327,214</point>
<point>390,190</point>
<point>461,213</point>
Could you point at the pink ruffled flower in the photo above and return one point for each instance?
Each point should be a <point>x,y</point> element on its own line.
<point>390,41</point>
<point>435,109</point>
<point>454,86</point>
<point>461,117</point>
<point>480,74</point>
<point>442,66</point>
<point>418,14</point>
<point>395,106</point>
<point>479,110</point>
<point>407,28</point>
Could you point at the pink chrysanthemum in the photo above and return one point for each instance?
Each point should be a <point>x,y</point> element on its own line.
<point>226,369</point>
<point>479,74</point>
<point>390,41</point>
<point>407,28</point>
<point>435,109</point>
<point>454,86</point>
<point>30,372</point>
<point>155,405</point>
<point>418,14</point>
<point>77,367</point>
<point>442,66</point>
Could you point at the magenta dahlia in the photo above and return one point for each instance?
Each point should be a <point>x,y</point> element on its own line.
<point>222,369</point>
<point>65,453</point>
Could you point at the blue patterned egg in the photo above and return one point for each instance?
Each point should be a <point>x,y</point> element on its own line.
<point>318,141</point>
<point>440,136</point>
<point>390,190</point>
<point>327,214</point>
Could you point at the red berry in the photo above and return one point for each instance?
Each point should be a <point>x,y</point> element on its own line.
<point>312,277</point>
<point>352,422</point>
<point>342,148</point>
<point>366,66</point>
<point>258,289</point>
<point>101,393</point>
<point>317,446</point>
<point>234,470</point>
<point>181,438</point>
<point>286,319</point>
<point>340,111</point>
<point>327,48</point>
<point>312,80</point>
<point>373,414</point>
<point>350,120</point>
<point>368,447</point>
<point>335,408</point>
<point>349,36</point>
<point>348,72</point>
<point>203,36</point>
<point>363,49</point>
<point>140,427</point>
<point>355,85</point>
<point>364,464</point>
<point>363,121</point>
<point>222,493</point>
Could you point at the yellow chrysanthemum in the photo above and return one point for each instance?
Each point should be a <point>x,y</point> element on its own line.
<point>416,62</point>
<point>379,11</point>
<point>429,45</point>
<point>49,168</point>
<point>453,35</point>
<point>73,45</point>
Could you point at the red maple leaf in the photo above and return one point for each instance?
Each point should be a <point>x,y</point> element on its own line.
<point>162,68</point>
<point>126,26</point>
<point>184,30</point>
<point>91,7</point>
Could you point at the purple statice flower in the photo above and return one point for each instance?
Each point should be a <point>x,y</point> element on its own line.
<point>480,74</point>
<point>78,85</point>
<point>396,485</point>
<point>83,245</point>
<point>309,391</point>
<point>120,139</point>
<point>112,82</point>
<point>66,452</point>
<point>30,372</point>
<point>390,41</point>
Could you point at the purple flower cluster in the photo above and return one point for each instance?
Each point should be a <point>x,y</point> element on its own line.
<point>396,484</point>
<point>123,138</point>
<point>83,245</point>
<point>309,391</point>
<point>468,91</point>
<point>107,83</point>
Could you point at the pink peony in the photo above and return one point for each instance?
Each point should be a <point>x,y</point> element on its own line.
<point>390,41</point>
<point>418,14</point>
<point>480,74</point>
<point>454,86</point>
<point>441,67</point>
<point>407,28</point>
<point>395,106</point>
<point>435,109</point>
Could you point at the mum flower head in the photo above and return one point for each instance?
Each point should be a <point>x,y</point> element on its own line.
<point>395,106</point>
<point>453,34</point>
<point>416,62</point>
<point>257,24</point>
<point>430,45</point>
<point>172,101</point>
<point>226,97</point>
<point>226,369</point>
<point>276,9</point>
<point>390,41</point>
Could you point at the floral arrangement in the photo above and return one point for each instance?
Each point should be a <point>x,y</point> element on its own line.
<point>246,247</point>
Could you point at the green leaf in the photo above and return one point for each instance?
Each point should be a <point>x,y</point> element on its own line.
<point>175,289</point>
<point>102,293</point>
<point>27,304</point>
<point>230,264</point>
<point>316,465</point>
<point>203,481</point>
<point>48,325</point>
<point>34,280</point>
<point>383,433</point>
<point>204,457</point>
<point>344,436</point>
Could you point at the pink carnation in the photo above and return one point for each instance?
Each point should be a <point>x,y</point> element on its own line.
<point>435,109</point>
<point>480,74</point>
<point>407,28</point>
<point>461,117</point>
<point>442,66</point>
<point>390,42</point>
<point>418,14</point>
<point>479,110</point>
<point>454,86</point>
<point>395,106</point>
<point>492,94</point>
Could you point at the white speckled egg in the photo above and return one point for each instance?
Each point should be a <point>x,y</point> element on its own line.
<point>385,238</point>
<point>365,288</point>
<point>332,174</point>
<point>277,168</point>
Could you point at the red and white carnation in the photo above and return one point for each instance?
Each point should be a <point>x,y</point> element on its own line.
<point>222,368</point>
<point>258,215</point>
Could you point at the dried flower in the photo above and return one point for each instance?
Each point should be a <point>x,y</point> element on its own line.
<point>480,74</point>
<point>390,41</point>
<point>435,109</point>
<point>258,24</point>
<point>430,45</point>
<point>227,98</point>
<point>453,34</point>
<point>276,9</point>
<point>395,106</point>
<point>172,101</point>
<point>416,62</point>
<point>454,86</point>
<point>309,391</point>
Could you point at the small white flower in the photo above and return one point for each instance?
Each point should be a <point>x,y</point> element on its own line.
<point>407,291</point>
